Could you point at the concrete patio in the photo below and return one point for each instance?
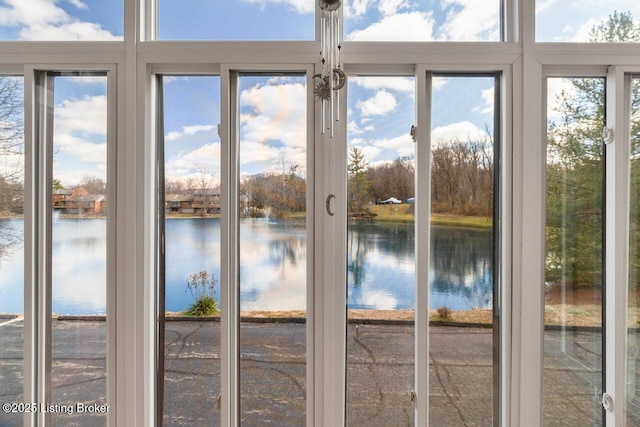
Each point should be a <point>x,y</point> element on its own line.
<point>379,374</point>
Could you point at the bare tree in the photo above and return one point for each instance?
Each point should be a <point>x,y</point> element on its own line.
<point>11,155</point>
<point>202,185</point>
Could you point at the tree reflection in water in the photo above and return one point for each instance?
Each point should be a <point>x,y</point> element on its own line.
<point>381,260</point>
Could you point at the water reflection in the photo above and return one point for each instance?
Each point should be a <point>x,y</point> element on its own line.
<point>382,271</point>
<point>380,265</point>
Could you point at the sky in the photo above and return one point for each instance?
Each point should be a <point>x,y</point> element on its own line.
<point>381,110</point>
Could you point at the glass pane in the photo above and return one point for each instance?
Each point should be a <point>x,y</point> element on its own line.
<point>612,21</point>
<point>11,246</point>
<point>633,346</point>
<point>273,254</point>
<point>464,341</point>
<point>380,251</point>
<point>54,20</point>
<point>448,20</point>
<point>192,250</point>
<point>573,336</point>
<point>236,20</point>
<point>79,249</point>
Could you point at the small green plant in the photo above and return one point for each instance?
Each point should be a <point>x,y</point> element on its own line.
<point>202,286</point>
<point>444,312</point>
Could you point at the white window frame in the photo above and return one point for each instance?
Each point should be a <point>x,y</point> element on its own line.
<point>38,244</point>
<point>131,378</point>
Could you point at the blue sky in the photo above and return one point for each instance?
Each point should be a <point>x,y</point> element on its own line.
<point>381,111</point>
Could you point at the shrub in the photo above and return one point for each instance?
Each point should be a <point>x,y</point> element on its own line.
<point>444,312</point>
<point>202,286</point>
<point>203,306</point>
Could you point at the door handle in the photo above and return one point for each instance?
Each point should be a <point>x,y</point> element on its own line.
<point>328,204</point>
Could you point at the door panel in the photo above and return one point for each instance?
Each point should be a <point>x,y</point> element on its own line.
<point>273,248</point>
<point>574,280</point>
<point>464,333</point>
<point>380,251</point>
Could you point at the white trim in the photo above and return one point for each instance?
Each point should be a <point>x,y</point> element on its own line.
<point>112,243</point>
<point>532,218</point>
<point>422,241</point>
<point>143,162</point>
<point>310,224</point>
<point>617,242</point>
<point>30,245</point>
<point>138,56</point>
<point>506,236</point>
<point>514,169</point>
<point>229,232</point>
<point>335,281</point>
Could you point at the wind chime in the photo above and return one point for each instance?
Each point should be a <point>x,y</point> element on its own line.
<point>331,77</point>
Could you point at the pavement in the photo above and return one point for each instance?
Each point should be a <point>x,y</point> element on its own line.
<point>380,372</point>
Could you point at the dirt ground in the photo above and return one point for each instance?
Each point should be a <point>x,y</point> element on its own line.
<point>573,308</point>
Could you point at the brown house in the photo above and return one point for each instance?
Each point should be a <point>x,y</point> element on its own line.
<point>79,202</point>
<point>178,203</point>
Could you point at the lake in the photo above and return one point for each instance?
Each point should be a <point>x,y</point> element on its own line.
<point>380,265</point>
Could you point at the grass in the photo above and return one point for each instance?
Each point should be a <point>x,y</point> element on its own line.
<point>404,214</point>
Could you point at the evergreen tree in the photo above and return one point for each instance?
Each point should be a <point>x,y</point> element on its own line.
<point>359,184</point>
<point>575,169</point>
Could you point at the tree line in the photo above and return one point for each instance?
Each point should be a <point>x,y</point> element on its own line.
<point>462,175</point>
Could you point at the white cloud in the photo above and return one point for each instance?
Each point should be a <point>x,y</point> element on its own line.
<point>277,113</point>
<point>43,20</point>
<point>300,6</point>
<point>400,84</point>
<point>457,131</point>
<point>391,7</point>
<point>379,300</point>
<point>187,165</point>
<point>354,129</point>
<point>555,89</point>
<point>356,8</point>
<point>413,26</point>
<point>438,83</point>
<point>379,104</point>
<point>80,149</point>
<point>80,138</point>
<point>581,34</point>
<point>370,152</point>
<point>387,148</point>
<point>402,142</point>
<point>87,115</point>
<point>471,20</point>
<point>489,102</point>
<point>541,6</point>
<point>188,131</point>
<point>79,4</point>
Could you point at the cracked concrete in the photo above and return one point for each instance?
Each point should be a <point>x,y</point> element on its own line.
<point>272,383</point>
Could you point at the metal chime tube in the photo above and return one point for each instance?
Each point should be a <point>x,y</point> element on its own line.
<point>332,58</point>
<point>338,45</point>
<point>323,56</point>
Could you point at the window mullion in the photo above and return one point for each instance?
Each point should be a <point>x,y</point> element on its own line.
<point>617,240</point>
<point>422,245</point>
<point>229,284</point>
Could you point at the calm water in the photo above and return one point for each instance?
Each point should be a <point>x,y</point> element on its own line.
<point>273,264</point>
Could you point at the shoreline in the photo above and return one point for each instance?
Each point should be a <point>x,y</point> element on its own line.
<point>476,318</point>
<point>439,219</point>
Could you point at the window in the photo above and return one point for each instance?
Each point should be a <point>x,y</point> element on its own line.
<point>216,20</point>
<point>46,20</point>
<point>633,347</point>
<point>583,21</point>
<point>574,281</point>
<point>380,250</point>
<point>189,288</point>
<point>165,144</point>
<point>450,20</point>
<point>11,243</point>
